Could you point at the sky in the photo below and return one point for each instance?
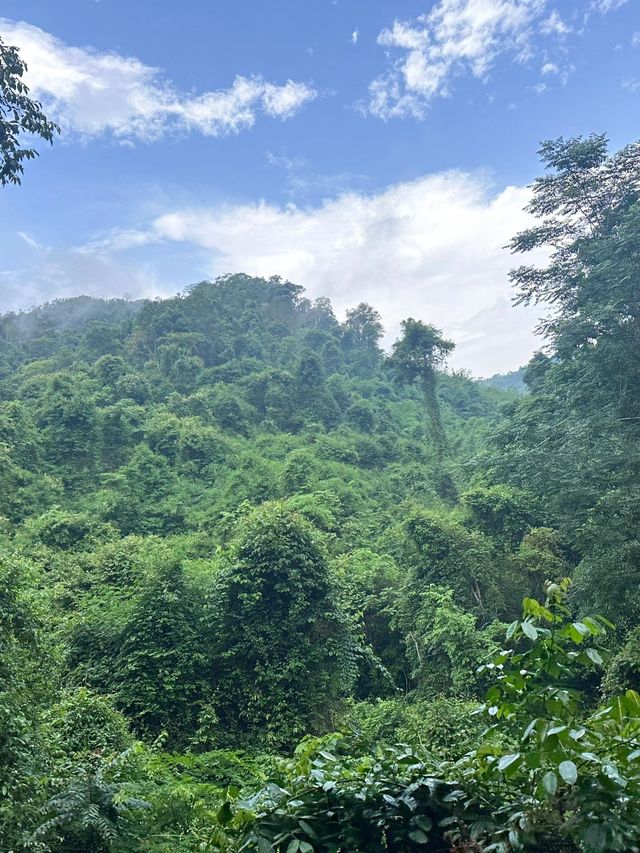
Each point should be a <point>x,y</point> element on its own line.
<point>368,150</point>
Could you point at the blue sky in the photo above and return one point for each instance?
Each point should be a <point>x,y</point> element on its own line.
<point>370,150</point>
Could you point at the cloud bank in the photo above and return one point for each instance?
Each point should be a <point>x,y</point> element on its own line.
<point>92,93</point>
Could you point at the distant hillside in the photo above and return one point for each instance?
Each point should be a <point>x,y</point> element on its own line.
<point>512,381</point>
<point>63,315</point>
<point>223,394</point>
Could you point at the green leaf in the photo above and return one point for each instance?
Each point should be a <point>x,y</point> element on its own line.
<point>568,771</point>
<point>529,729</point>
<point>425,823</point>
<point>225,813</point>
<point>595,837</point>
<point>593,626</point>
<point>294,846</point>
<point>508,760</point>
<point>632,702</point>
<point>550,783</point>
<point>594,656</point>
<point>529,629</point>
<point>305,827</point>
<point>419,837</point>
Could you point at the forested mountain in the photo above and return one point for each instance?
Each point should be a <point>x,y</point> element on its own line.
<point>232,527</point>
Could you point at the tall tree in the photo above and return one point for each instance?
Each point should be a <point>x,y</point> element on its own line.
<point>574,440</point>
<point>282,648</point>
<point>416,357</point>
<point>19,116</point>
<point>361,333</point>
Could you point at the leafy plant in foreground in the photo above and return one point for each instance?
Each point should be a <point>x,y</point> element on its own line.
<point>570,779</point>
<point>550,773</point>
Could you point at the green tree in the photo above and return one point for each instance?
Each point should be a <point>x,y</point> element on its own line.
<point>371,583</point>
<point>500,512</point>
<point>283,654</point>
<point>19,116</point>
<point>71,435</point>
<point>143,495</point>
<point>577,435</point>
<point>443,644</point>
<point>439,550</point>
<point>312,395</point>
<point>416,357</point>
<point>21,749</point>
<point>157,676</point>
<point>361,334</point>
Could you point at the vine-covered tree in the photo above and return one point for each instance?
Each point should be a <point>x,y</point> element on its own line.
<point>283,655</point>
<point>416,356</point>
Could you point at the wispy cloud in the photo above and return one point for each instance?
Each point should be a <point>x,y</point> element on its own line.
<point>605,6</point>
<point>58,272</point>
<point>92,93</point>
<point>555,25</point>
<point>455,37</point>
<point>302,182</point>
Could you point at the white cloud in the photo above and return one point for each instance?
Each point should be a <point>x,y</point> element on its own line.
<point>605,6</point>
<point>354,37</point>
<point>455,37</point>
<point>92,93</point>
<point>635,40</point>
<point>555,25</point>
<point>551,69</point>
<point>431,248</point>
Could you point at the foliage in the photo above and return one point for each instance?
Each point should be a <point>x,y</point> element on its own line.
<point>19,115</point>
<point>91,812</point>
<point>340,797</point>
<point>550,772</point>
<point>443,726</point>
<point>283,655</point>
<point>416,356</point>
<point>83,724</point>
<point>443,645</point>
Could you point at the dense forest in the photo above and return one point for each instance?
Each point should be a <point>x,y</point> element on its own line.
<point>264,586</point>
